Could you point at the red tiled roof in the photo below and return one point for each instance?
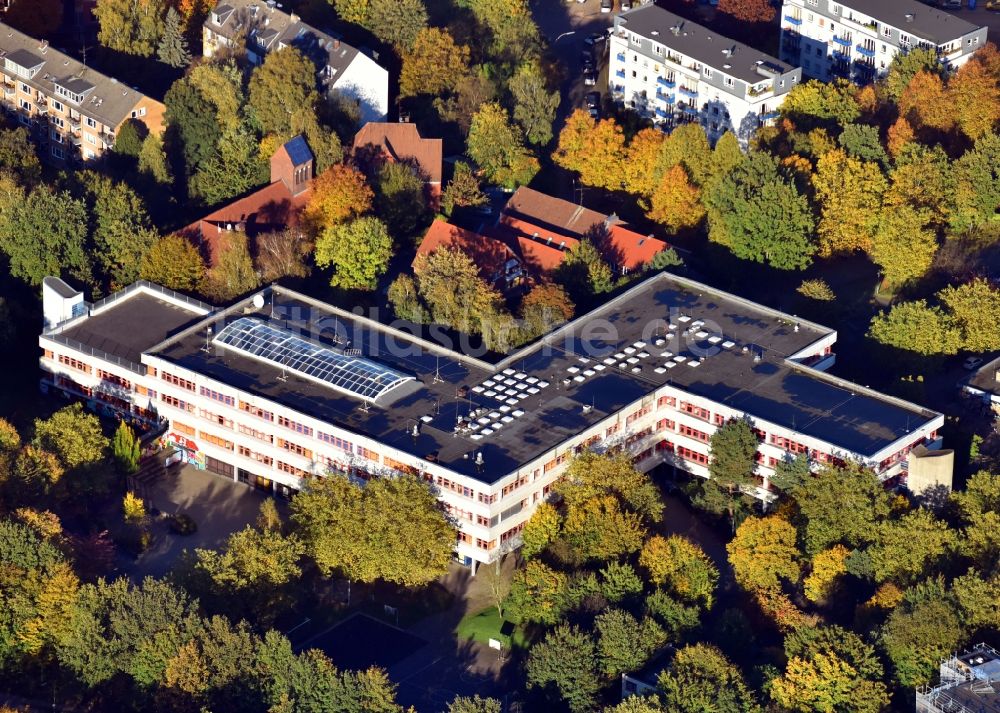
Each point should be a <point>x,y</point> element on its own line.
<point>272,207</point>
<point>488,253</point>
<point>402,141</point>
<point>561,215</point>
<point>633,249</point>
<point>541,250</point>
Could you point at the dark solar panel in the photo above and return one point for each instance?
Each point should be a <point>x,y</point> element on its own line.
<point>298,151</point>
<point>353,375</point>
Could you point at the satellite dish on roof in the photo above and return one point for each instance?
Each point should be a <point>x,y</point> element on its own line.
<point>258,301</point>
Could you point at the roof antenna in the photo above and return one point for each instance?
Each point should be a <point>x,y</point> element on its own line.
<point>437,370</point>
<point>208,341</point>
<point>284,376</point>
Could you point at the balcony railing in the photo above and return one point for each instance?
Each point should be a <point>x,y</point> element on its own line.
<point>664,82</point>
<point>845,41</point>
<point>862,50</point>
<point>768,116</point>
<point>688,92</point>
<point>662,112</point>
<point>793,20</point>
<point>663,96</point>
<point>841,56</point>
<point>691,110</point>
<point>620,56</point>
<point>620,74</point>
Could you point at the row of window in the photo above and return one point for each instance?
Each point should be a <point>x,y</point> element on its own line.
<point>75,364</point>
<point>178,381</point>
<point>114,379</point>
<point>216,440</point>
<point>259,457</point>
<point>216,396</point>
<point>294,425</point>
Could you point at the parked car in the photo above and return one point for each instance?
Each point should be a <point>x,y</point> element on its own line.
<point>590,78</point>
<point>593,100</point>
<point>595,39</point>
<point>972,363</point>
<point>606,5</point>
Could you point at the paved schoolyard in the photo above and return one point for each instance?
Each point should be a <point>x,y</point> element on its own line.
<point>218,505</point>
<point>361,641</point>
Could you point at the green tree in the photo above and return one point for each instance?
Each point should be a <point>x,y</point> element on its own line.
<point>400,198</point>
<point>358,251</point>
<point>538,594</point>
<point>173,50</point>
<point>497,147</point>
<point>131,26</point>
<point>760,215</point>
<point>534,105</point>
<point>619,582</point>
<point>625,645</point>
<point>173,262</point>
<point>975,311</point>
<point>233,169</point>
<point>862,141</point>
<point>44,233</point>
<point>193,129</point>
<point>463,190</point>
<point>396,22</point>
<point>763,552</point>
<point>667,257</point>
<point>827,684</point>
<point>125,448</point>
<point>584,273</point>
<point>681,567</point>
<point>921,632</point>
<point>911,547</point>
<point>73,435</point>
<point>977,184</point>
<point>903,245</point>
<point>731,468</point>
<point>839,505</point>
<point>474,704</point>
<point>700,679</point>
<point>904,67</point>
<point>449,283</point>
<point>978,599</point>
<point>917,327</point>
<point>434,65</point>
<point>510,24</point>
<point>981,495</point>
<point>591,475</point>
<point>674,616</point>
<point>153,160</point>
<point>565,663</point>
<point>128,140</point>
<point>233,273</point>
<point>38,18</point>
<point>405,299</point>
<point>285,80</point>
<point>121,229</point>
<point>817,289</point>
<point>18,155</point>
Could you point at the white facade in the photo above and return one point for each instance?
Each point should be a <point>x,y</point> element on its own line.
<point>680,72</point>
<point>367,83</point>
<point>833,39</point>
<point>261,442</point>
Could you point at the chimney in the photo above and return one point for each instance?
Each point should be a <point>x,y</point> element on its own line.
<point>909,17</point>
<point>295,18</point>
<point>336,44</point>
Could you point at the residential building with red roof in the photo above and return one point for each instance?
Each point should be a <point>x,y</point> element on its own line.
<point>497,263</point>
<point>387,141</point>
<point>276,206</point>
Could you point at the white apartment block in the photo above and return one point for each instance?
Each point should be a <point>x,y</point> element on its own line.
<point>261,26</point>
<point>857,39</point>
<point>673,71</point>
<point>279,386</point>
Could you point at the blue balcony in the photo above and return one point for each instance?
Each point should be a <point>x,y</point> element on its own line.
<point>793,20</point>
<point>691,110</point>
<point>770,115</point>
<point>846,42</point>
<point>689,92</point>
<point>662,113</point>
<point>620,56</point>
<point>620,74</point>
<point>663,96</point>
<point>865,51</point>
<point>664,82</point>
<point>841,56</point>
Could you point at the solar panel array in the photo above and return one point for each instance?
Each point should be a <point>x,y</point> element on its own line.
<point>352,375</point>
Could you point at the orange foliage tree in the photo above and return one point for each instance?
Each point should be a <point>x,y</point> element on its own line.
<point>748,10</point>
<point>900,134</point>
<point>924,102</point>
<point>676,204</point>
<point>593,149</point>
<point>974,100</point>
<point>339,193</point>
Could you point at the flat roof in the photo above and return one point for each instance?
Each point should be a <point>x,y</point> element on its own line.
<point>129,326</point>
<point>701,43</point>
<point>915,18</point>
<point>985,379</point>
<point>582,389</point>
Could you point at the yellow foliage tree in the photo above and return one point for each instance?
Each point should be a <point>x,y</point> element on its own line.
<point>676,204</point>
<point>925,103</point>
<point>827,684</point>
<point>899,135</point>
<point>763,552</point>
<point>540,530</point>
<point>594,149</point>
<point>827,567</point>
<point>681,566</point>
<point>338,194</point>
<point>641,169</point>
<point>974,98</point>
<point>849,192</point>
<point>133,507</point>
<point>600,529</point>
<point>434,65</point>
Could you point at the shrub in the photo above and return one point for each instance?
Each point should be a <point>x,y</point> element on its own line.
<point>183,524</point>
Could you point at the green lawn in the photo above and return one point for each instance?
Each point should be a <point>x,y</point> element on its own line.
<point>485,625</point>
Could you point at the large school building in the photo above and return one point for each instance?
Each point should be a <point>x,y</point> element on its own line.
<point>279,387</point>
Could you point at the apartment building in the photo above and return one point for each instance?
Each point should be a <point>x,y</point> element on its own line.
<point>968,683</point>
<point>259,27</point>
<point>279,386</point>
<point>72,111</point>
<point>857,40</point>
<point>674,71</point>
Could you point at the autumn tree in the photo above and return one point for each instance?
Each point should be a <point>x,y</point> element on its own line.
<point>826,569</point>
<point>73,435</point>
<point>474,704</point>
<point>643,166</point>
<point>973,98</point>
<point>544,307</point>
<point>839,505</point>
<point>153,160</point>
<point>752,11</point>
<point>285,80</point>
<point>358,251</point>
<point>434,65</point>
<point>917,327</point>
<point>924,103</point>
<point>172,261</point>
<point>463,190</point>
<point>232,273</point>
<point>681,568</point>
<point>701,678</point>
<point>497,147</point>
<point>902,244</point>
<point>509,23</point>
<point>763,553</point>
<point>625,644</point>
<point>457,296</point>
<point>676,204</point>
<point>593,149</point>
<point>282,253</point>
<point>899,135</point>
<point>338,194</point>
<point>905,66</point>
<point>591,475</point>
<point>974,308</point>
<point>131,26</point>
<point>396,22</point>
<point>849,192</point>
<point>534,105</point>
<point>537,594</point>
<point>759,214</point>
<point>822,103</point>
<point>600,529</point>
<point>405,299</point>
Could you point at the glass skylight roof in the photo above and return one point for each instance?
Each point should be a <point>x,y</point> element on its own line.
<point>353,375</point>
